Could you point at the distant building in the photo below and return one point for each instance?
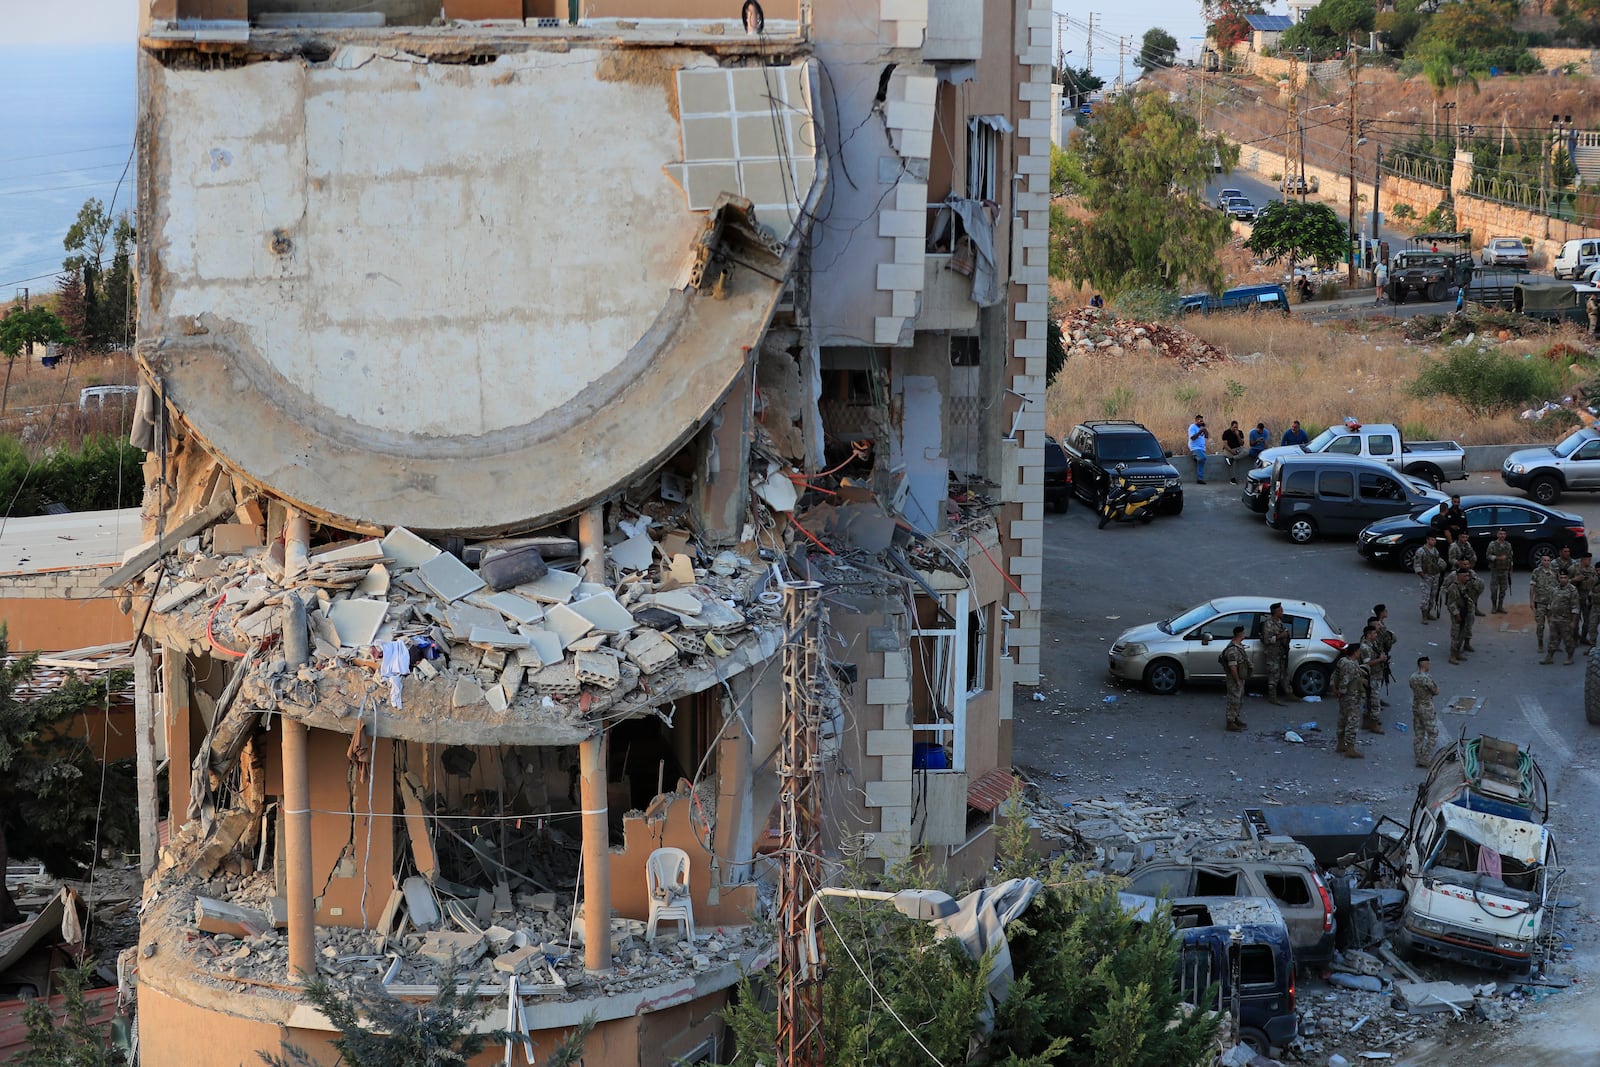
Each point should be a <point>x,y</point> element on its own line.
<point>1266,31</point>
<point>1298,10</point>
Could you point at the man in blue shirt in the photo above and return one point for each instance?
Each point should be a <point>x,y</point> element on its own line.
<point>1294,435</point>
<point>1259,439</point>
<point>1197,447</point>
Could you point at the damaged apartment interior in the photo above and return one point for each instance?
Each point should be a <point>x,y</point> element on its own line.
<point>503,368</point>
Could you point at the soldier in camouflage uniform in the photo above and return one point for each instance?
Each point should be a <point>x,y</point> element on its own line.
<point>1541,583</point>
<point>1462,552</point>
<point>1386,643</point>
<point>1499,553</point>
<point>1459,597</point>
<point>1564,563</point>
<point>1275,648</point>
<point>1424,720</point>
<point>1236,668</point>
<point>1563,614</point>
<point>1372,661</point>
<point>1350,687</point>
<point>1429,567</point>
<point>1586,580</point>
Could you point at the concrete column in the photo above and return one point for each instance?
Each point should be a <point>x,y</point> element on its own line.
<point>734,836</point>
<point>596,856</point>
<point>592,541</point>
<point>144,747</point>
<point>180,740</point>
<point>296,544</point>
<point>297,849</point>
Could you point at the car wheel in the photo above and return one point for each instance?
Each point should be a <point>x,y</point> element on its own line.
<point>1256,1040</point>
<point>1545,490</point>
<point>1407,556</point>
<point>1436,291</point>
<point>1303,531</point>
<point>1163,677</point>
<point>1432,475</point>
<point>1540,550</point>
<point>1311,680</point>
<point>1591,689</point>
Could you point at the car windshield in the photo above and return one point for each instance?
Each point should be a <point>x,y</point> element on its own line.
<point>1322,440</point>
<point>1508,245</point>
<point>1121,448</point>
<point>1192,617</point>
<point>1570,444</point>
<point>1428,516</point>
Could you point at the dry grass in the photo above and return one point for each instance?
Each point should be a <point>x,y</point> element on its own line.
<point>1284,368</point>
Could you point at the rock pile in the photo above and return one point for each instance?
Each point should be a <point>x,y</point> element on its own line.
<point>1092,332</point>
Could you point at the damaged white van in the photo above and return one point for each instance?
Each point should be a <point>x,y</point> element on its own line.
<point>1479,863</point>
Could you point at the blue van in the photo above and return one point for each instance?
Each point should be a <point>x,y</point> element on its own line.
<point>1266,962</point>
<point>1244,298</point>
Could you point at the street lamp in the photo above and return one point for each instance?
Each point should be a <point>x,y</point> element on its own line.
<point>923,905</point>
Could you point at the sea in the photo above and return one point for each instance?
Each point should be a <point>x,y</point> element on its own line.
<point>67,116</point>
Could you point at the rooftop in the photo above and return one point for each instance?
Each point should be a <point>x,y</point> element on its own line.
<point>84,539</point>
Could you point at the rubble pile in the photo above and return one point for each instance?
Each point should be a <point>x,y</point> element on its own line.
<point>536,937</point>
<point>508,629</point>
<point>1090,331</point>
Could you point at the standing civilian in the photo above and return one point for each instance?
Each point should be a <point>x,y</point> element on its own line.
<point>1197,447</point>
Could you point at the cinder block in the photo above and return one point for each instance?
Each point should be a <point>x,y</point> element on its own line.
<point>903,115</point>
<point>916,144</point>
<point>908,34</point>
<point>892,276</point>
<point>895,664</point>
<point>889,847</point>
<point>886,329</point>
<point>912,252</point>
<point>902,224</point>
<point>905,304</point>
<point>1026,528</point>
<point>911,196</point>
<point>1030,91</point>
<point>1028,349</point>
<point>898,10</point>
<point>888,794</point>
<point>894,820</point>
<point>888,691</point>
<point>896,768</point>
<point>921,90</point>
<point>889,743</point>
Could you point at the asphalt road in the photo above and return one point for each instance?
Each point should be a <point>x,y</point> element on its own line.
<point>1092,736</point>
<point>1262,193</point>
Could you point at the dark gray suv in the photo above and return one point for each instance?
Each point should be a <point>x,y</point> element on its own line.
<point>1095,448</point>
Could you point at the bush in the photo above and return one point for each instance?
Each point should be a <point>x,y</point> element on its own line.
<point>1402,211</point>
<point>1145,303</point>
<point>1558,422</point>
<point>1486,381</point>
<point>1328,291</point>
<point>104,474</point>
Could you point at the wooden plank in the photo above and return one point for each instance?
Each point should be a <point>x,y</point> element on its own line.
<point>422,853</point>
<point>220,506</point>
<point>144,747</point>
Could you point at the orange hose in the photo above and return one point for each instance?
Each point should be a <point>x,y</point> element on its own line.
<point>211,637</point>
<point>813,540</point>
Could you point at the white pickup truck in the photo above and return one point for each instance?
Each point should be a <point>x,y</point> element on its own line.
<point>1436,462</point>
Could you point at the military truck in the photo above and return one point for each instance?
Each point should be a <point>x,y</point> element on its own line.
<point>1431,275</point>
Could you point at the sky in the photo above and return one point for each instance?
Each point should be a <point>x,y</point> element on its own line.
<point>1125,18</point>
<point>44,22</point>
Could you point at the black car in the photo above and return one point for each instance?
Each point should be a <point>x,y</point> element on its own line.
<point>1095,448</point>
<point>1533,530</point>
<point>1057,475</point>
<point>1257,482</point>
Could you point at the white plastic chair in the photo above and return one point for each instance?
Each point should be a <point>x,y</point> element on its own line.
<point>666,876</point>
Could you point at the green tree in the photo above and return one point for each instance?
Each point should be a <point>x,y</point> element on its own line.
<point>106,293</point>
<point>1295,231</point>
<point>114,307</point>
<point>86,237</point>
<point>1580,20</point>
<point>1225,20</point>
<point>72,1040</point>
<point>1471,24</point>
<point>1093,987</point>
<point>1332,25</point>
<point>51,807</point>
<point>1145,164</point>
<point>20,330</point>
<point>1157,51</point>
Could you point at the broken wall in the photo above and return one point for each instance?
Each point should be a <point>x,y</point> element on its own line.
<point>52,610</point>
<point>675,821</point>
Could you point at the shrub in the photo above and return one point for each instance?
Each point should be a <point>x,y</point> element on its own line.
<point>1145,303</point>
<point>1402,211</point>
<point>1328,291</point>
<point>1486,381</point>
<point>1557,422</point>
<point>104,474</point>
<point>1115,404</point>
<point>1415,431</point>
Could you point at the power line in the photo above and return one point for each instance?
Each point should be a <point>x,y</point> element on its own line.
<point>68,152</point>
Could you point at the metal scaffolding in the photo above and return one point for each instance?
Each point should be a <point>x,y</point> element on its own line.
<point>800,1042</point>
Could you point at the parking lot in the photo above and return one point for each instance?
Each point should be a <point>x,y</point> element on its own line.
<point>1091,736</point>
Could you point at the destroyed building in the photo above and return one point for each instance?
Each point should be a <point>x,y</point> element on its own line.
<point>501,371</point>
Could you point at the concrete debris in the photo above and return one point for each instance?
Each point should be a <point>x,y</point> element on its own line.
<point>1092,333</point>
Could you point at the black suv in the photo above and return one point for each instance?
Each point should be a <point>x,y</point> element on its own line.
<point>1095,448</point>
<point>1057,475</point>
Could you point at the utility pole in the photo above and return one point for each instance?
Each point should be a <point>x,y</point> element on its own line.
<point>800,1039</point>
<point>1088,52</point>
<point>1294,123</point>
<point>1355,73</point>
<point>1122,54</point>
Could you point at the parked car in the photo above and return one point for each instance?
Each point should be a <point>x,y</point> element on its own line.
<point>1244,298</point>
<point>1095,448</point>
<point>1284,871</point>
<point>1436,462</point>
<point>1575,256</point>
<point>1321,496</point>
<point>1165,655</point>
<point>1296,185</point>
<point>1227,194</point>
<point>1545,472</point>
<point>1057,475</point>
<point>1259,480</point>
<point>1205,928</point>
<point>1533,530</point>
<point>1504,252</point>
<point>1590,275</point>
<point>1242,209</point>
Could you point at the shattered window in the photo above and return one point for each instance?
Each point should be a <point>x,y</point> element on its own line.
<point>1290,889</point>
<point>1216,883</point>
<point>1256,965</point>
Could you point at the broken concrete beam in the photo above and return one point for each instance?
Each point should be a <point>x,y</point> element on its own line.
<point>176,598</point>
<point>141,560</point>
<point>448,948</point>
<point>517,961</point>
<point>219,917</point>
<point>1425,997</point>
<point>232,538</point>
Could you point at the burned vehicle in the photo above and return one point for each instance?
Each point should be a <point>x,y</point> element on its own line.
<point>1430,275</point>
<point>1479,865</point>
